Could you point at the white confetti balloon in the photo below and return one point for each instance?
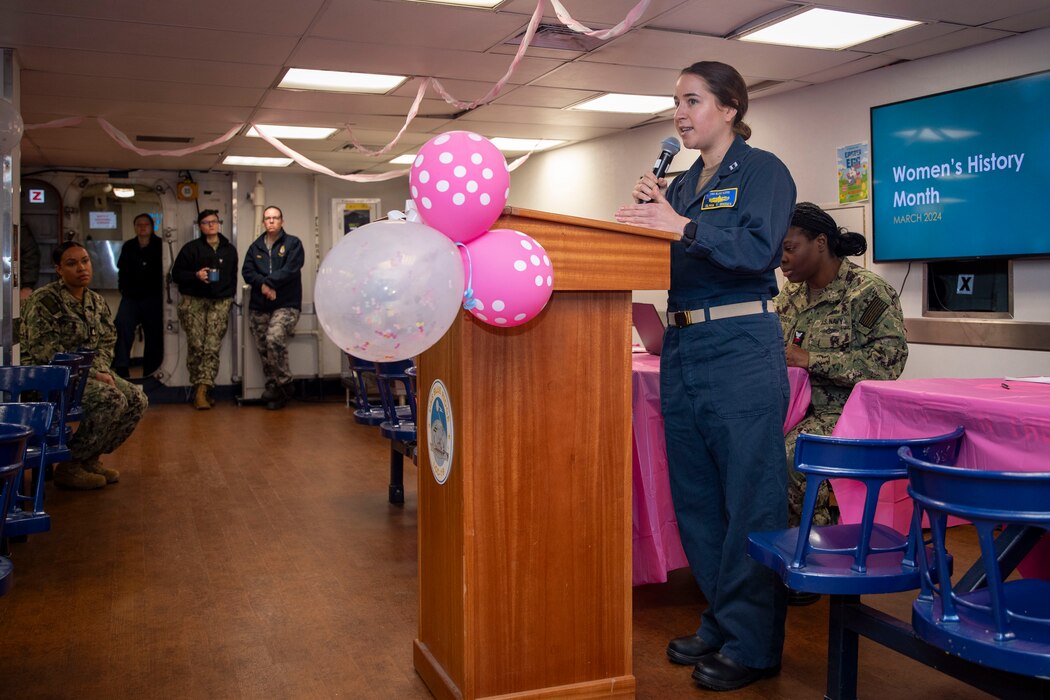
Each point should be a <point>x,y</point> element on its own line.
<point>389,290</point>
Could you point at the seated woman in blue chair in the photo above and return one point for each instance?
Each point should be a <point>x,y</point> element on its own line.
<point>65,316</point>
<point>841,322</point>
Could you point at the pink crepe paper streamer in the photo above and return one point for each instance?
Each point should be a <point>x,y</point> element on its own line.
<point>603,34</point>
<point>56,123</point>
<point>121,138</point>
<point>317,167</point>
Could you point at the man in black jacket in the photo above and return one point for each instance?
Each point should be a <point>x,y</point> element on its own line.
<point>140,277</point>
<point>273,267</point>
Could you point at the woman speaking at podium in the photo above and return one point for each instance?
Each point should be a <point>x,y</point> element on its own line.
<point>723,377</point>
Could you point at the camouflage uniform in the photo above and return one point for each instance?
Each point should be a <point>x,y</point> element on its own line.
<point>853,331</point>
<point>272,331</point>
<point>53,321</point>
<point>205,322</point>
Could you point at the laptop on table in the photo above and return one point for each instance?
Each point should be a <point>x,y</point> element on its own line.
<point>650,326</point>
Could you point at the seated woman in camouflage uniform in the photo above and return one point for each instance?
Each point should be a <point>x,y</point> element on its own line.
<point>65,316</point>
<point>842,323</point>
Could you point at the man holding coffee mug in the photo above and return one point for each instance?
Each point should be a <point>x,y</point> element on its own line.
<point>206,273</point>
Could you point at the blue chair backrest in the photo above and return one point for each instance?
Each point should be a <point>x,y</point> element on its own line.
<point>79,366</point>
<point>388,376</point>
<point>872,462</point>
<point>362,369</point>
<point>13,439</point>
<point>37,416</point>
<point>1006,611</point>
<point>50,382</point>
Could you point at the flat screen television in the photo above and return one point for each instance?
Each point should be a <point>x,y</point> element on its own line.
<point>963,174</point>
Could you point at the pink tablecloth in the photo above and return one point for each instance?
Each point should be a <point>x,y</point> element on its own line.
<point>1006,429</point>
<point>657,548</point>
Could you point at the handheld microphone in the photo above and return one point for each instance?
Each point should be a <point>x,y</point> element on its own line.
<point>669,148</point>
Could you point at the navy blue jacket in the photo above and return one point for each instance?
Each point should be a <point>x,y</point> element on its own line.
<point>280,268</point>
<point>741,216</point>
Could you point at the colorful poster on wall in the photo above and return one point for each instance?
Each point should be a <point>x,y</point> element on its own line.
<point>853,173</point>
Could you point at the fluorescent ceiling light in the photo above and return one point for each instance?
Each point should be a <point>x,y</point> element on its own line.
<point>257,160</point>
<point>522,145</point>
<point>124,192</point>
<point>463,3</point>
<point>278,131</point>
<point>827,29</point>
<point>340,81</point>
<point>406,159</point>
<point>627,104</point>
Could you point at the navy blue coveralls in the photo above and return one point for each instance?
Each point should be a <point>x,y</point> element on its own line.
<point>724,393</point>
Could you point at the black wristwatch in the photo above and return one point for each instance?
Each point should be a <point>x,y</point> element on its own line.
<point>689,232</point>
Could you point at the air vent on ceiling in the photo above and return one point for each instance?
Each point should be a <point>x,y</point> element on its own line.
<point>557,36</point>
<point>163,139</point>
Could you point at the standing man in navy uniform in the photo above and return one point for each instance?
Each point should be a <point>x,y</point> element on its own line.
<point>723,377</point>
<point>273,268</point>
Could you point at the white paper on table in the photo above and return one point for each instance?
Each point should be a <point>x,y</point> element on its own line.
<point>1037,380</point>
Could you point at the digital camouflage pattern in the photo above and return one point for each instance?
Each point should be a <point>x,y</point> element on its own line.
<point>53,321</point>
<point>205,322</point>
<point>272,332</point>
<point>853,331</point>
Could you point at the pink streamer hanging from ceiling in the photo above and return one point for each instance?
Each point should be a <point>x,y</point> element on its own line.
<point>563,15</point>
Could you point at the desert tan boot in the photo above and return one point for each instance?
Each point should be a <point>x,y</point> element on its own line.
<point>72,475</point>
<point>200,398</point>
<point>94,466</point>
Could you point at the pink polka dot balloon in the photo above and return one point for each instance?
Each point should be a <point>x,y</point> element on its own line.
<point>510,275</point>
<point>460,183</point>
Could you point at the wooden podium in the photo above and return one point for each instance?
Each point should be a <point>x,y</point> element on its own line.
<point>525,550</point>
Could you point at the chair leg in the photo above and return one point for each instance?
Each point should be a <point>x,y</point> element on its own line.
<point>397,476</point>
<point>842,651</point>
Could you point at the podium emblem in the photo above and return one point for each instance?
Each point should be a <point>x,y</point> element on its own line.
<point>440,432</point>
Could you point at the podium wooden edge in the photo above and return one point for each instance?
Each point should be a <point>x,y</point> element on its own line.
<point>434,677</point>
<point>438,682</point>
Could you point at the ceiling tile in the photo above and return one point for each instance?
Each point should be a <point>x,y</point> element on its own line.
<point>949,42</point>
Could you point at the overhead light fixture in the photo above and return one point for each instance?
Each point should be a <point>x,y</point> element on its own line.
<point>263,161</point>
<point>406,159</point>
<point>340,81</point>
<point>488,4</point>
<point>523,145</point>
<point>817,28</point>
<point>627,104</point>
<point>278,131</point>
<point>124,192</point>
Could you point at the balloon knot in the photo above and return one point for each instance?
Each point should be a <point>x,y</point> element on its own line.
<point>469,302</point>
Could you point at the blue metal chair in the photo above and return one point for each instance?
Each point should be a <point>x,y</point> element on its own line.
<point>859,558</point>
<point>25,513</point>
<point>851,560</point>
<point>1005,625</point>
<point>365,412</point>
<point>399,421</point>
<point>12,449</point>
<point>51,384</point>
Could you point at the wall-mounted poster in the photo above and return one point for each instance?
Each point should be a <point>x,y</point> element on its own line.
<point>853,173</point>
